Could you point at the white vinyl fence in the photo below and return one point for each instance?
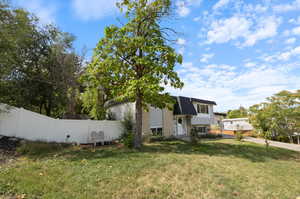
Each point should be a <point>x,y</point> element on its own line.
<point>18,122</point>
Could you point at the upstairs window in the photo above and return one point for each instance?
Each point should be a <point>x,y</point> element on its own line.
<point>202,108</point>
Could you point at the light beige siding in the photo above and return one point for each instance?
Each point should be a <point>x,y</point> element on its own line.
<point>168,123</point>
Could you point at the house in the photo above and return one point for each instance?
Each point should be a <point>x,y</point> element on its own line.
<point>237,124</point>
<point>218,117</point>
<point>187,113</point>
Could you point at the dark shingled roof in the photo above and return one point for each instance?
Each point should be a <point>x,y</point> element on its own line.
<point>113,102</point>
<point>203,101</point>
<point>184,106</point>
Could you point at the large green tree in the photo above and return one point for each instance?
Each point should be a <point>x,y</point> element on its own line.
<point>20,47</point>
<point>38,65</point>
<point>279,116</point>
<point>135,60</point>
<point>60,72</point>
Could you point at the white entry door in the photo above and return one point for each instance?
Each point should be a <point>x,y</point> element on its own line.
<point>181,127</point>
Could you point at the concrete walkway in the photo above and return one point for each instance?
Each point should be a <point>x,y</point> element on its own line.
<point>293,147</point>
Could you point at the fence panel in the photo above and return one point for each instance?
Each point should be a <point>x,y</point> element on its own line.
<point>28,125</point>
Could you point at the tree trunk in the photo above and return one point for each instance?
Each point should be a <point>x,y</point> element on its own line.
<point>267,143</point>
<point>41,107</point>
<point>139,123</point>
<point>72,103</point>
<point>49,107</point>
<point>291,139</point>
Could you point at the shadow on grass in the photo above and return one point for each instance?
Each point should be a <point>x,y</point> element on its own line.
<point>252,152</point>
<point>249,151</point>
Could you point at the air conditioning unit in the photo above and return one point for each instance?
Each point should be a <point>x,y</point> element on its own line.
<point>96,137</point>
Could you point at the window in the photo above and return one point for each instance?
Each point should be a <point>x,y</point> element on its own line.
<point>179,121</point>
<point>202,108</point>
<point>201,129</point>
<point>156,131</point>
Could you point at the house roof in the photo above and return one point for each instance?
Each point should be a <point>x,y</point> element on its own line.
<point>204,101</point>
<point>184,106</point>
<point>222,114</point>
<point>113,102</point>
<point>236,119</point>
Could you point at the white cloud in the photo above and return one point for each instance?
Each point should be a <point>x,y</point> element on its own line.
<point>230,88</point>
<point>220,4</point>
<point>183,6</point>
<point>290,40</point>
<point>197,19</point>
<point>94,9</point>
<point>182,9</point>
<point>250,64</point>
<point>295,20</point>
<point>260,8</point>
<point>287,55</point>
<point>292,20</point>
<point>295,5</point>
<point>206,57</point>
<point>224,30</point>
<point>267,71</point>
<point>296,31</point>
<point>192,2</point>
<point>44,11</point>
<point>220,67</point>
<point>266,28</point>
<point>181,41</point>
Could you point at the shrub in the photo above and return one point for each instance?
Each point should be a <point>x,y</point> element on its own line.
<point>127,137</point>
<point>253,133</point>
<point>128,140</point>
<point>160,138</point>
<point>146,137</point>
<point>238,135</point>
<point>194,136</point>
<point>209,135</point>
<point>281,138</point>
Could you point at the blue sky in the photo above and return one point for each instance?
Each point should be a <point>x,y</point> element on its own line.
<point>236,52</point>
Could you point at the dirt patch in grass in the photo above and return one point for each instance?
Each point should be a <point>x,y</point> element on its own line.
<point>8,147</point>
<point>7,156</point>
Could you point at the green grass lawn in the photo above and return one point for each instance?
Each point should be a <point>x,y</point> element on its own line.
<point>212,169</point>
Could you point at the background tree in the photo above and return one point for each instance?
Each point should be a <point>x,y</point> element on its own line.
<point>61,70</point>
<point>136,58</point>
<point>238,113</point>
<point>94,97</point>
<point>38,65</point>
<point>18,36</point>
<point>261,120</point>
<point>278,117</point>
<point>286,112</point>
